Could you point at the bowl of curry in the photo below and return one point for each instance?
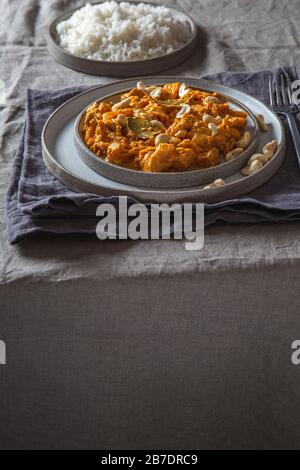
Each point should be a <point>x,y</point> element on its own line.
<point>166,136</point>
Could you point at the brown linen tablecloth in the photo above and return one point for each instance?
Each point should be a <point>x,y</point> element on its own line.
<point>143,344</point>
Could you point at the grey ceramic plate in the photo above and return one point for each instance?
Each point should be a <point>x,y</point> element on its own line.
<point>62,159</point>
<point>166,180</point>
<point>120,69</point>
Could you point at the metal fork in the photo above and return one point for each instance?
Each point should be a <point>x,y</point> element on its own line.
<point>281,100</point>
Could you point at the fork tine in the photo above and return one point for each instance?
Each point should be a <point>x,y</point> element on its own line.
<point>284,92</point>
<point>289,89</point>
<point>278,97</point>
<point>271,92</point>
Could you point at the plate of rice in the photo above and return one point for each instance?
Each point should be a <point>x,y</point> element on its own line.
<point>120,38</point>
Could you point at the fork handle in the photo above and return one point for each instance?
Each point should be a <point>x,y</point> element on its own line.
<point>295,134</point>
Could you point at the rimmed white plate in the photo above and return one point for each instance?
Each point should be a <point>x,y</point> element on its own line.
<point>179,179</point>
<point>62,159</point>
<point>121,69</point>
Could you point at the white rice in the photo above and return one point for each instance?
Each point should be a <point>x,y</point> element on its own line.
<point>114,31</point>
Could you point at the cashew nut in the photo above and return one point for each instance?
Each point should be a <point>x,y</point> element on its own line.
<point>245,140</point>
<point>211,99</point>
<point>215,184</point>
<point>183,90</point>
<point>162,139</point>
<point>141,86</point>
<point>207,118</point>
<point>268,151</point>
<point>181,134</point>
<point>261,123</point>
<point>234,153</point>
<point>185,108</point>
<point>255,166</point>
<point>159,124</point>
<point>262,157</point>
<point>214,129</point>
<point>121,118</point>
<point>270,147</point>
<point>121,104</point>
<point>155,93</point>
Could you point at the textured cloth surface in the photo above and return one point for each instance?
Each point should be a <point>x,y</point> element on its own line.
<point>143,344</point>
<point>35,192</point>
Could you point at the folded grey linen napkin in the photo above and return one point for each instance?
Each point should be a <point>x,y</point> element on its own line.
<point>37,203</point>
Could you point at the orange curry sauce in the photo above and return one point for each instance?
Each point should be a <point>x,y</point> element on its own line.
<point>189,141</point>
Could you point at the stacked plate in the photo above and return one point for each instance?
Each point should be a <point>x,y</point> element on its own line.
<point>69,159</point>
